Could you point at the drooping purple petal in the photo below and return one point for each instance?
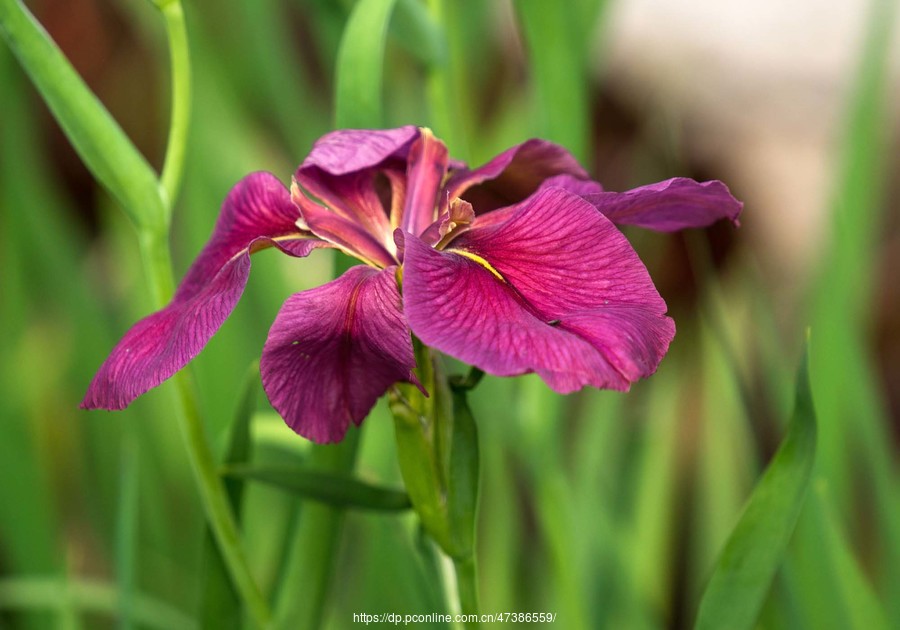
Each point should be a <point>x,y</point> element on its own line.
<point>671,205</point>
<point>556,290</point>
<point>334,350</point>
<point>515,174</point>
<point>427,166</point>
<point>580,187</point>
<point>257,213</point>
<point>348,150</point>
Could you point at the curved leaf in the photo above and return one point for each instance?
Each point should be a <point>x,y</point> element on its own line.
<point>337,490</point>
<point>359,65</point>
<point>97,138</point>
<point>756,547</point>
<point>220,603</point>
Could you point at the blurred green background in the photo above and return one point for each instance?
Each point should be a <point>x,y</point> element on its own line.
<point>607,509</point>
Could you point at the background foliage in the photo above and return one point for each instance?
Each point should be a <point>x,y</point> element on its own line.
<point>607,509</point>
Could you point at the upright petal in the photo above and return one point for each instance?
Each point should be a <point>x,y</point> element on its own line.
<point>671,205</point>
<point>556,289</point>
<point>427,166</point>
<point>372,246</point>
<point>257,213</point>
<point>348,150</point>
<point>334,350</point>
<point>342,169</point>
<point>517,173</point>
<point>351,197</point>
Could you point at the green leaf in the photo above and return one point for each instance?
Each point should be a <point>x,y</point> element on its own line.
<point>462,496</point>
<point>127,520</point>
<point>856,439</point>
<point>415,30</point>
<point>337,490</point>
<point>309,568</point>
<point>423,428</point>
<point>756,547</point>
<point>559,74</point>
<point>360,63</point>
<point>220,605</point>
<point>29,593</point>
<point>97,138</point>
<point>856,594</point>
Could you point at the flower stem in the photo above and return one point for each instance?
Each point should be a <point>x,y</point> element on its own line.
<point>157,261</point>
<point>158,266</point>
<point>215,502</point>
<point>467,586</point>
<point>304,587</point>
<point>173,166</point>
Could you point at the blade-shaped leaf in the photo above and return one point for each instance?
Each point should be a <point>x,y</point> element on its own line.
<point>337,490</point>
<point>552,37</point>
<point>462,495</point>
<point>127,521</point>
<point>36,593</point>
<point>359,64</point>
<point>99,140</point>
<point>219,603</point>
<point>754,551</point>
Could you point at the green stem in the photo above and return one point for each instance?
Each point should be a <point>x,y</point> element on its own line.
<point>157,262</point>
<point>116,164</point>
<point>173,167</point>
<point>126,528</point>
<point>304,587</point>
<point>467,586</point>
<point>158,265</point>
<point>215,502</point>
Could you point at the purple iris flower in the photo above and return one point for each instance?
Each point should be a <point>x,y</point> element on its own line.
<point>513,267</point>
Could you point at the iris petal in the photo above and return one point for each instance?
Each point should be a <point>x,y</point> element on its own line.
<point>348,234</point>
<point>427,166</point>
<point>349,150</point>
<point>334,350</point>
<point>516,173</point>
<point>257,213</point>
<point>342,173</point>
<point>555,289</point>
<point>668,206</point>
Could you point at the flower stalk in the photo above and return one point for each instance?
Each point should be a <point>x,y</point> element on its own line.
<point>173,166</point>
<point>314,549</point>
<point>157,260</point>
<point>467,587</point>
<point>148,202</point>
<point>437,447</point>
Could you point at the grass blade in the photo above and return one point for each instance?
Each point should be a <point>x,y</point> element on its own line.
<point>560,81</point>
<point>99,140</point>
<point>27,593</point>
<point>360,63</point>
<point>220,605</point>
<point>754,551</point>
<point>127,521</point>
<point>337,490</point>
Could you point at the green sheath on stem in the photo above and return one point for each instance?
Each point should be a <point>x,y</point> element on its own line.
<point>437,447</point>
